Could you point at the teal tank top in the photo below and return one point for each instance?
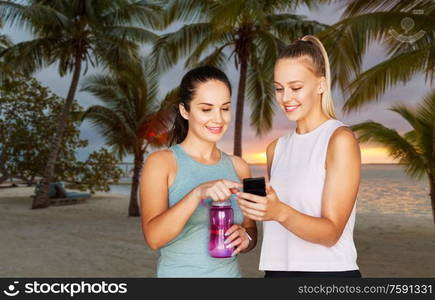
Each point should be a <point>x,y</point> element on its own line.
<point>187,255</point>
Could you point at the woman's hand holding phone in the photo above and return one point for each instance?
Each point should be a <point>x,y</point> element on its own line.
<point>260,208</point>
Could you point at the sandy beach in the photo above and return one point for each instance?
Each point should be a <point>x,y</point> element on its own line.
<point>97,239</point>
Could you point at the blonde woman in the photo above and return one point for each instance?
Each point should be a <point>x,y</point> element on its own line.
<point>314,171</point>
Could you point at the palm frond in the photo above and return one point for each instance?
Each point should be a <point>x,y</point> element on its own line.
<point>131,33</point>
<point>105,88</point>
<point>38,18</point>
<point>30,56</point>
<point>171,99</point>
<point>425,114</point>
<point>347,41</point>
<point>112,127</point>
<point>129,94</point>
<point>399,148</point>
<point>171,47</point>
<point>5,70</point>
<point>142,12</point>
<point>406,113</point>
<point>222,39</point>
<point>14,13</point>
<point>267,46</point>
<point>187,10</point>
<point>290,27</point>
<point>356,7</point>
<point>155,124</point>
<point>345,55</point>
<point>228,12</point>
<point>426,111</point>
<point>373,83</point>
<point>110,51</point>
<point>261,95</point>
<point>98,32</point>
<point>5,42</point>
<point>217,59</point>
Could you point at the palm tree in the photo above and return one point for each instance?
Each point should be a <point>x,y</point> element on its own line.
<point>384,21</point>
<point>130,119</point>
<point>75,34</point>
<point>5,72</point>
<point>416,148</point>
<point>5,43</point>
<point>250,32</point>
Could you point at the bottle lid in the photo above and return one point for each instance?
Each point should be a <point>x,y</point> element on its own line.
<point>221,203</point>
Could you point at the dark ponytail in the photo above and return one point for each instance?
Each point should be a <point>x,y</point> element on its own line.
<point>188,85</point>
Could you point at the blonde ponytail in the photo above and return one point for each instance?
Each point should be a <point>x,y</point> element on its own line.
<point>312,47</point>
<point>327,102</point>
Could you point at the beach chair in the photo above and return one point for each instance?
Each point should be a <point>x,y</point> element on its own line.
<point>59,196</point>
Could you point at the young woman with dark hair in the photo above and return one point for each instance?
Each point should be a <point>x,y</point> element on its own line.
<point>176,182</point>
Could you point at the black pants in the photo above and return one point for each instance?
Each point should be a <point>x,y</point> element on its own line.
<point>297,274</point>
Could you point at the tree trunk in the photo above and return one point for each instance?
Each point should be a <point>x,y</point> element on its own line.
<point>4,177</point>
<point>133,207</point>
<point>32,181</point>
<point>3,170</point>
<point>240,106</point>
<point>41,200</point>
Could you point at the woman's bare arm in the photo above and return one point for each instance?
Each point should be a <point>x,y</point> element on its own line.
<point>161,223</point>
<point>343,164</point>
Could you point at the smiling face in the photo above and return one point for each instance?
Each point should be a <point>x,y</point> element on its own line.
<point>297,88</point>
<point>209,114</point>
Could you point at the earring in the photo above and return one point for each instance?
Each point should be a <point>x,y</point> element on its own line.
<point>321,88</point>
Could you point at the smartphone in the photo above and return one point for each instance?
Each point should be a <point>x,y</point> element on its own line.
<point>256,186</point>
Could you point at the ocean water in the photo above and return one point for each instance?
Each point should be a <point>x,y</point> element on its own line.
<point>384,189</point>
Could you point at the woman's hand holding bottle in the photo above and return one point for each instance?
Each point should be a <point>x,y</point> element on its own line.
<point>237,238</point>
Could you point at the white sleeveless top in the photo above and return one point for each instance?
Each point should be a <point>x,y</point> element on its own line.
<point>297,176</point>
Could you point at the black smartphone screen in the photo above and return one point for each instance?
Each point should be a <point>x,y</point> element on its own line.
<point>256,186</point>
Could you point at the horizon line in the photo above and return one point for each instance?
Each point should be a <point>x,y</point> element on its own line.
<point>131,163</point>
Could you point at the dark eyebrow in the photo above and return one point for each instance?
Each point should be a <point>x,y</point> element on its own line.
<point>209,104</point>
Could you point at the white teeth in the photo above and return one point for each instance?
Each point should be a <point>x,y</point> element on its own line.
<point>291,107</point>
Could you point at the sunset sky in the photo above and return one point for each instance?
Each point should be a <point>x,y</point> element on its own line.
<point>254,147</point>
<point>369,155</point>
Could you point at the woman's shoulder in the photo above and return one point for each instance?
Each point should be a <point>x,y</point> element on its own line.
<point>271,147</point>
<point>343,134</point>
<point>342,142</point>
<point>241,166</point>
<point>238,160</point>
<point>160,158</point>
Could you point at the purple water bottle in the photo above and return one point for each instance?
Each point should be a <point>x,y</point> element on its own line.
<point>221,219</point>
